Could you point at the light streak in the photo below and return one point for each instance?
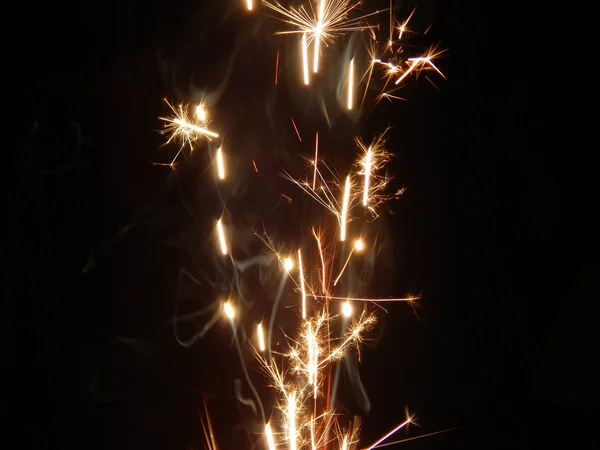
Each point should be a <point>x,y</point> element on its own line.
<point>269,436</point>
<point>350,84</point>
<point>261,337</point>
<point>220,164</point>
<point>249,5</point>
<point>221,233</point>
<point>345,204</point>
<point>296,129</point>
<point>304,43</point>
<point>302,284</point>
<point>316,161</point>
<point>368,161</point>
<point>390,433</point>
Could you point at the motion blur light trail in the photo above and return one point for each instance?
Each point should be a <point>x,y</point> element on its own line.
<point>333,322</point>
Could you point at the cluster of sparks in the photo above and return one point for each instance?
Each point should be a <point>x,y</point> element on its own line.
<point>332,323</point>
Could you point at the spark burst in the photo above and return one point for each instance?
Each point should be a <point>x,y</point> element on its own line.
<point>186,125</point>
<point>302,376</point>
<point>320,25</point>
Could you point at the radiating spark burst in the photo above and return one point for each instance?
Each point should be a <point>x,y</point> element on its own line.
<point>390,61</point>
<point>186,125</point>
<point>321,24</point>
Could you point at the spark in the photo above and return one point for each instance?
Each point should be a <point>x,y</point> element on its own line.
<point>358,246</point>
<point>300,371</point>
<point>296,129</point>
<point>186,126</point>
<point>321,27</point>
<point>379,441</point>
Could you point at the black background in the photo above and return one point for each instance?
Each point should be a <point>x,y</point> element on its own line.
<point>496,230</point>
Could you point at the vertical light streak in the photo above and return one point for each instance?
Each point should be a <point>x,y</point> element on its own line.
<point>313,443</point>
<point>277,68</point>
<point>249,5</point>
<point>302,286</point>
<point>221,234</point>
<point>368,162</point>
<point>351,84</point>
<point>316,159</point>
<point>261,337</point>
<point>305,59</point>
<point>291,420</point>
<point>345,203</point>
<point>317,36</point>
<point>345,443</point>
<point>269,435</point>
<point>323,266</point>
<point>220,164</point>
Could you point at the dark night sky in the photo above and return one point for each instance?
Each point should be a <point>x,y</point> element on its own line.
<point>496,230</point>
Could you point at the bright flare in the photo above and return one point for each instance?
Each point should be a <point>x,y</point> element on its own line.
<point>229,310</point>
<point>347,309</point>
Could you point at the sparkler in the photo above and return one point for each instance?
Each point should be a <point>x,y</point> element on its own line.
<point>303,376</point>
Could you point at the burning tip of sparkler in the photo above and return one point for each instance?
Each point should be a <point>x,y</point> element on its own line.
<point>359,245</point>
<point>229,310</point>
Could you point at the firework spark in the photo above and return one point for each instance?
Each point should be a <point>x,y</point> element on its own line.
<point>333,323</point>
<point>320,25</point>
<point>186,125</point>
